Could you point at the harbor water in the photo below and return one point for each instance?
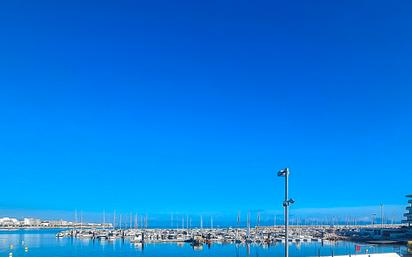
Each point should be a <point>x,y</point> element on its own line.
<point>43,243</point>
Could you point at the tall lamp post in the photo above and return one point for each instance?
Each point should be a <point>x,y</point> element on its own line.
<point>286,203</point>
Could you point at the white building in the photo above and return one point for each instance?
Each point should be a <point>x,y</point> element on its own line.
<point>59,223</point>
<point>31,222</point>
<point>6,221</point>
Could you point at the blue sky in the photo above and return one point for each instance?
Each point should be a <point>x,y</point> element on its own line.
<point>192,106</point>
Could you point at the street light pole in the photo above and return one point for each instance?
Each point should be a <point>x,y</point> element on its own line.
<point>285,173</point>
<point>286,206</point>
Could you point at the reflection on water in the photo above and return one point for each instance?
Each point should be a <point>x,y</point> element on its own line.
<point>44,243</point>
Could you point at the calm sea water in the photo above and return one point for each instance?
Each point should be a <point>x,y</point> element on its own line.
<point>44,243</point>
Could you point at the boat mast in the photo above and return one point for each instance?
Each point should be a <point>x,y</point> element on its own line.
<point>248,224</point>
<point>114,219</point>
<point>75,217</point>
<point>81,220</point>
<point>201,222</point>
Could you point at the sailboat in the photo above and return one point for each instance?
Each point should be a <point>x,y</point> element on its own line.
<point>248,229</point>
<point>237,239</point>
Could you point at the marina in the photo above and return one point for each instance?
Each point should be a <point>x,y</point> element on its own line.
<point>38,243</point>
<point>256,235</point>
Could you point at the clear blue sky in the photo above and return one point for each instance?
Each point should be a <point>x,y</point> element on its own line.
<point>192,106</point>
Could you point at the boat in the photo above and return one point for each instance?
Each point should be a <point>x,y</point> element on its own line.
<point>138,239</point>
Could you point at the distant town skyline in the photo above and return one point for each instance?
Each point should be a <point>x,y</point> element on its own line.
<point>189,107</point>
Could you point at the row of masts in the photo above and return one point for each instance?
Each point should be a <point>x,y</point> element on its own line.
<point>142,221</point>
<point>134,220</point>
